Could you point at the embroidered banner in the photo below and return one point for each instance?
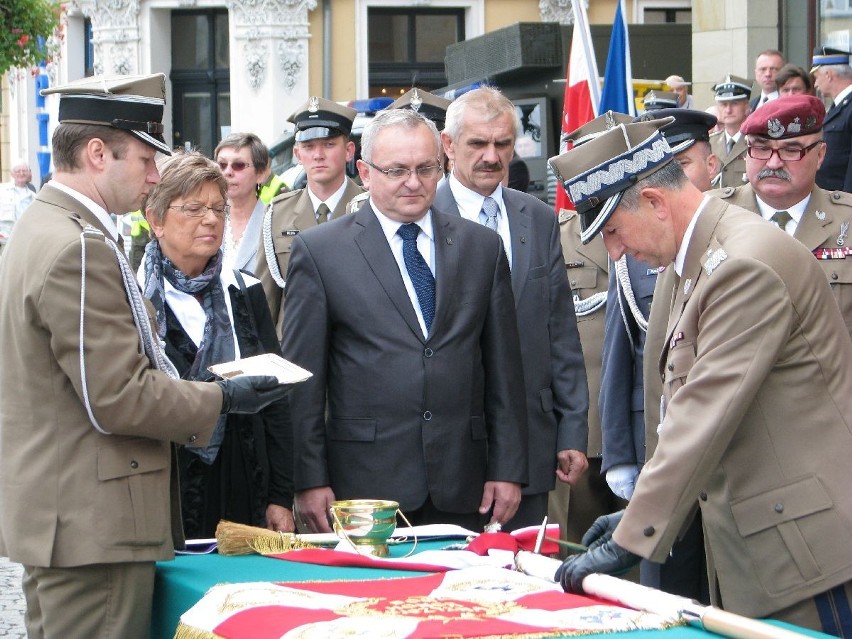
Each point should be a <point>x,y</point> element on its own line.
<point>474,602</point>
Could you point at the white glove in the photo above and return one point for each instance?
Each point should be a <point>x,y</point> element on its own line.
<point>621,479</point>
<point>536,565</point>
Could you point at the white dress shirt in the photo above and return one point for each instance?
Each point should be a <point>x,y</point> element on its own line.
<point>470,205</point>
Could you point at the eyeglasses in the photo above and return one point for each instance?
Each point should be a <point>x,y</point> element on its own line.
<point>399,174</point>
<point>236,165</point>
<point>199,210</point>
<point>785,154</point>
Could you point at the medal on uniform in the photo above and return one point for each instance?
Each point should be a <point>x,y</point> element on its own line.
<point>820,215</point>
<point>687,285</point>
<point>844,232</point>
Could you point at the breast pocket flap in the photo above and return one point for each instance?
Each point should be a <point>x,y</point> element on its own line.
<point>131,457</point>
<point>774,507</point>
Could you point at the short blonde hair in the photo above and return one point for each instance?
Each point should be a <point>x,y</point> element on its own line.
<point>181,174</point>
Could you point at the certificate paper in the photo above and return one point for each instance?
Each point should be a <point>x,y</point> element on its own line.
<point>266,364</point>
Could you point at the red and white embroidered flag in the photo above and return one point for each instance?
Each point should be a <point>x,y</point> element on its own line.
<point>582,89</point>
<point>474,602</point>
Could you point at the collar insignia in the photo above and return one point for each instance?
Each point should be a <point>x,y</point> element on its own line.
<point>718,256</point>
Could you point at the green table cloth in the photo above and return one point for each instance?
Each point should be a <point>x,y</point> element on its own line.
<point>183,582</point>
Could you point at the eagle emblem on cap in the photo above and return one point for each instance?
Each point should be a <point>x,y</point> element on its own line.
<point>774,128</point>
<point>313,104</point>
<point>795,126</point>
<point>416,100</point>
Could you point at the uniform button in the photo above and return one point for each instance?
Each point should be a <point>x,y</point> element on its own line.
<point>779,508</point>
<point>649,531</point>
<point>428,352</point>
<point>670,367</point>
<point>192,438</point>
<point>834,276</point>
<point>703,496</point>
<point>835,196</point>
<point>134,464</point>
<point>427,415</point>
<point>573,283</point>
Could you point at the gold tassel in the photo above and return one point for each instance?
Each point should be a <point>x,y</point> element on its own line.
<point>240,539</point>
<point>188,632</point>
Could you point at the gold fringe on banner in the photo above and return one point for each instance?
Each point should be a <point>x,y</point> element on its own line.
<point>240,539</point>
<point>187,632</point>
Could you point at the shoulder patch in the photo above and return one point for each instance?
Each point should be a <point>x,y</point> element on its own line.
<point>565,215</point>
<point>714,259</point>
<point>357,202</point>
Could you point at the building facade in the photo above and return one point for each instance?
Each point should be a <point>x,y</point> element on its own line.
<point>244,65</point>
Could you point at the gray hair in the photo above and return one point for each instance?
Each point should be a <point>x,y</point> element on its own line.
<point>257,149</point>
<point>405,118</point>
<point>670,176</point>
<point>488,101</point>
<point>840,70</point>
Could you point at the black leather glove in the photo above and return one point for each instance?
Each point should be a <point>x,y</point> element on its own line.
<point>606,558</point>
<point>250,394</point>
<point>601,531</point>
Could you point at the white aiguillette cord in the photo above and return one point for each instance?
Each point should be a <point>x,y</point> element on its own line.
<point>269,248</point>
<point>148,340</point>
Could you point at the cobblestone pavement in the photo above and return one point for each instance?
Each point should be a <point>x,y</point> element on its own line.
<point>11,601</point>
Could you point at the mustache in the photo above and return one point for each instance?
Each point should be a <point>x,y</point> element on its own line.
<point>489,166</point>
<point>781,174</point>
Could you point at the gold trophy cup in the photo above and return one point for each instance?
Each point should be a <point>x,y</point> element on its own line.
<point>366,524</point>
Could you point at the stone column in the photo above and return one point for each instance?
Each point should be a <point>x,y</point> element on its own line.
<point>727,35</point>
<point>115,35</point>
<point>269,63</point>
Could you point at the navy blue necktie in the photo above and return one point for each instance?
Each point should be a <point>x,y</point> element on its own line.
<point>418,271</point>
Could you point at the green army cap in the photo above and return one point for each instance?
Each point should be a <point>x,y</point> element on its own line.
<point>425,103</point>
<point>593,128</point>
<point>659,100</point>
<point>732,88</point>
<point>596,174</point>
<point>320,118</point>
<point>132,103</point>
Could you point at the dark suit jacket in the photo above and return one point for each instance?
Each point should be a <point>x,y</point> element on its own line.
<point>835,174</point>
<point>621,400</point>
<point>557,393</point>
<point>387,413</point>
<point>758,428</point>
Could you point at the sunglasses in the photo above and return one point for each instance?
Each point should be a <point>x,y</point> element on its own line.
<point>237,165</point>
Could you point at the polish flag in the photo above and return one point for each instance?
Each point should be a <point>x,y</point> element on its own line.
<point>582,90</point>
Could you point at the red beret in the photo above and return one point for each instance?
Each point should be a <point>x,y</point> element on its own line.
<point>786,117</point>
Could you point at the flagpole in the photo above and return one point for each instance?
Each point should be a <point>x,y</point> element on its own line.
<point>617,93</point>
<point>582,88</point>
<point>581,23</point>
